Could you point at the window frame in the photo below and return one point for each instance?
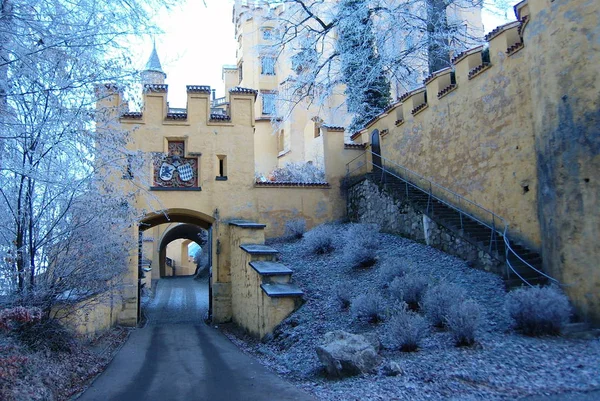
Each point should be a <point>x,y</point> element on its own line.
<point>265,68</point>
<point>273,109</point>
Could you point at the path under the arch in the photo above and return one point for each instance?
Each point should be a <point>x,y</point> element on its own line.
<point>177,357</point>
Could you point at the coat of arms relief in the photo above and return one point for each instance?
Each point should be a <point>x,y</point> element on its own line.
<point>174,170</point>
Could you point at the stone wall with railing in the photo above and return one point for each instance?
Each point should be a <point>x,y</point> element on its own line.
<point>468,128</point>
<point>369,203</point>
<point>515,127</point>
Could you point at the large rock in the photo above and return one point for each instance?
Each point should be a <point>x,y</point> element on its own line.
<point>347,354</point>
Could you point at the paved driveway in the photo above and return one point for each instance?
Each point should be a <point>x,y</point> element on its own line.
<point>177,357</point>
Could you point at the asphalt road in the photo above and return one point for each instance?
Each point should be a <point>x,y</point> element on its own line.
<point>177,357</point>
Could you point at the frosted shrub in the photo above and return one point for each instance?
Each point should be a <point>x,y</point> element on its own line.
<point>319,240</point>
<point>406,330</point>
<point>538,311</point>
<point>369,307</point>
<point>298,172</point>
<point>439,300</point>
<point>463,320</point>
<point>361,244</point>
<point>343,294</point>
<point>410,288</point>
<point>390,270</point>
<point>295,228</point>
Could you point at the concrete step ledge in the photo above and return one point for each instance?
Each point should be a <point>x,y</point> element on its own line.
<point>246,224</point>
<point>257,249</point>
<point>281,290</point>
<point>267,268</point>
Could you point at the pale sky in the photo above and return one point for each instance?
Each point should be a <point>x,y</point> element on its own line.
<point>199,39</point>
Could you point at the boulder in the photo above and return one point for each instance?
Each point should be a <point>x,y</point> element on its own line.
<point>347,354</point>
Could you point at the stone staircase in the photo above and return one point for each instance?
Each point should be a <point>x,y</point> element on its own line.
<point>263,293</point>
<point>275,277</point>
<point>483,236</point>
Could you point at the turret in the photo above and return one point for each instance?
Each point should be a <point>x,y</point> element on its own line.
<point>153,73</point>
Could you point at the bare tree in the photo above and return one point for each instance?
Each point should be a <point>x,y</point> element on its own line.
<point>362,47</point>
<point>66,229</point>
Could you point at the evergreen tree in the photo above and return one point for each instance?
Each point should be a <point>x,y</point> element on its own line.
<point>367,88</point>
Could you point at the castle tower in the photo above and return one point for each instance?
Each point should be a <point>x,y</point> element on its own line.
<point>153,73</point>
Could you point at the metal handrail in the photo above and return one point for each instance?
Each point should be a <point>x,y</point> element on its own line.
<point>508,247</point>
<point>452,193</point>
<point>494,217</point>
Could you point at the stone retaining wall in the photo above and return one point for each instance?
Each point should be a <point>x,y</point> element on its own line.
<point>370,203</point>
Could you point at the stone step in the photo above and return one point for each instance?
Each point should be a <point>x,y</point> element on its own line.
<point>257,249</point>
<point>272,272</point>
<point>268,268</point>
<point>247,224</point>
<point>277,290</point>
<point>472,231</point>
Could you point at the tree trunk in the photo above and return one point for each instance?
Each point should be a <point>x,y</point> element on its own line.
<point>437,35</point>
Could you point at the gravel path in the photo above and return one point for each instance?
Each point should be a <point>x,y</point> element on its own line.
<point>502,365</point>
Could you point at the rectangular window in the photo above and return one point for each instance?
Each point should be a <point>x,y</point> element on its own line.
<point>221,168</point>
<point>241,71</point>
<point>268,102</point>
<point>267,65</point>
<point>267,33</point>
<point>280,141</point>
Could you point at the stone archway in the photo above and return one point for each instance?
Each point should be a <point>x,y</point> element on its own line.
<point>191,222</point>
<point>190,232</point>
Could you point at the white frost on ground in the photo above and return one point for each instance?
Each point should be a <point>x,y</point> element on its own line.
<point>177,300</point>
<point>502,365</point>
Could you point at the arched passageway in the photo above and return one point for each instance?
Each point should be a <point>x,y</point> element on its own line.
<point>156,231</point>
<point>185,231</point>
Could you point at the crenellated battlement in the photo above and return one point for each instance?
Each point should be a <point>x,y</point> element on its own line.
<point>468,68</point>
<point>199,106</point>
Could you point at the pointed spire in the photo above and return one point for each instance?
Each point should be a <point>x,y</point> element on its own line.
<point>153,63</point>
<point>153,73</point>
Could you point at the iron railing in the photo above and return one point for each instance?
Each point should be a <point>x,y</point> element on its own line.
<point>497,225</point>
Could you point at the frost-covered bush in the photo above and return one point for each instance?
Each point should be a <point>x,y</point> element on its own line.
<point>406,330</point>
<point>463,320</point>
<point>389,271</point>
<point>538,311</point>
<point>370,307</point>
<point>298,172</point>
<point>410,288</point>
<point>295,228</point>
<point>361,245</point>
<point>343,294</point>
<point>439,300</point>
<point>320,240</point>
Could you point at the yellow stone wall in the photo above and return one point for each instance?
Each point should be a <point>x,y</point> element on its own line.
<point>178,252</point>
<point>218,201</point>
<point>477,140</point>
<point>252,308</point>
<point>563,51</point>
<point>519,137</point>
<point>89,317</point>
